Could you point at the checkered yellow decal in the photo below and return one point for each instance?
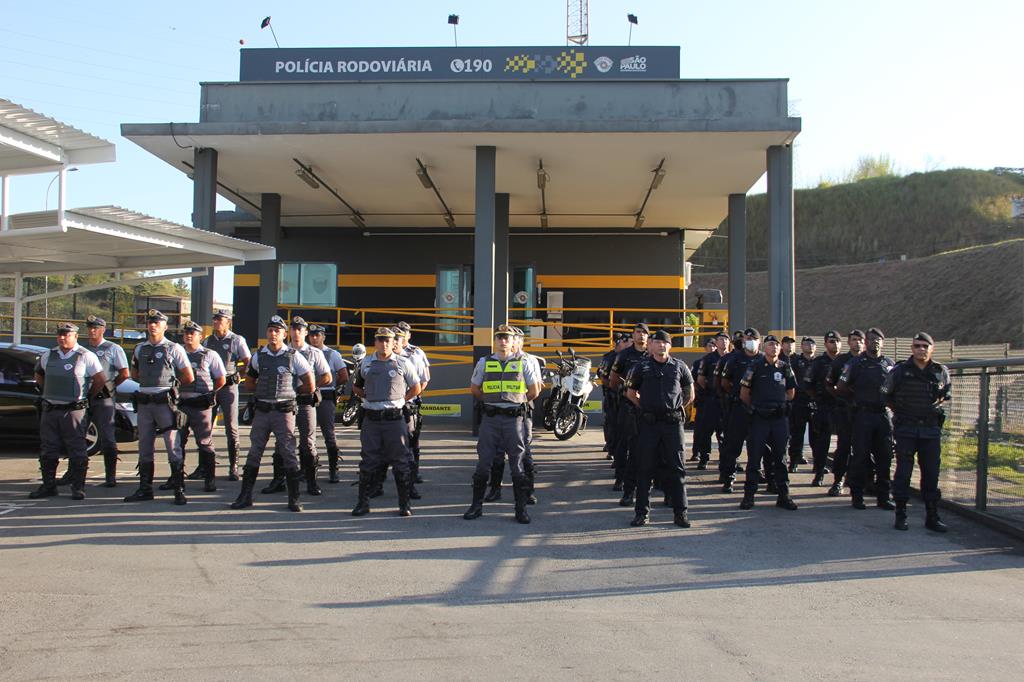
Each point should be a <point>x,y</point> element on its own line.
<point>571,63</point>
<point>520,63</point>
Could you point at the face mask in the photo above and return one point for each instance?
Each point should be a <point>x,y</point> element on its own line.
<point>750,345</point>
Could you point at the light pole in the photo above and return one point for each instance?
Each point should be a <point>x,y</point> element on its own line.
<point>46,200</point>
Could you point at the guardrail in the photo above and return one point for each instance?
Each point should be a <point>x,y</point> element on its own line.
<point>983,441</point>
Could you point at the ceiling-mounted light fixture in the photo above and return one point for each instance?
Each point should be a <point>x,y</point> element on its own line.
<point>424,177</point>
<point>307,178</point>
<point>542,183</point>
<point>357,221</point>
<point>544,220</point>
<point>449,221</point>
<point>658,176</point>
<point>639,222</point>
<point>542,176</point>
<point>428,183</point>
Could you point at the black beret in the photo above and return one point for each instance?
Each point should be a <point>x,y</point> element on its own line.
<point>662,335</point>
<point>855,332</point>
<point>808,339</point>
<point>877,332</point>
<point>721,335</point>
<point>831,335</point>
<point>642,326</point>
<point>770,337</point>
<point>790,339</point>
<point>752,333</point>
<point>924,336</point>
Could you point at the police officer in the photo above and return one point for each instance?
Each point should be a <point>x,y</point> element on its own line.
<point>277,374</point>
<point>385,381</point>
<point>233,351</point>
<point>916,390</point>
<point>101,407</point>
<point>196,399</point>
<point>68,376</point>
<point>412,407</point>
<point>842,412</point>
<point>609,397</point>
<point>766,387</point>
<point>709,347</point>
<point>325,411</point>
<point>709,410</point>
<point>660,387</point>
<point>802,408</point>
<point>815,377</point>
<point>159,365</point>
<point>862,380</point>
<point>786,351</point>
<point>626,427</point>
<point>504,382</point>
<point>414,436</point>
<point>732,369</point>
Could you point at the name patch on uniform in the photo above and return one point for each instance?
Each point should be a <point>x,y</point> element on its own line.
<point>441,409</point>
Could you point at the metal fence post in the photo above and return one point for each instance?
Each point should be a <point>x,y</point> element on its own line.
<point>981,484</point>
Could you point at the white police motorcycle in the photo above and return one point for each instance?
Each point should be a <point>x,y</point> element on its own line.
<point>570,388</point>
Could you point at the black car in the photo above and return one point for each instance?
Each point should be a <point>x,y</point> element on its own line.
<point>19,400</point>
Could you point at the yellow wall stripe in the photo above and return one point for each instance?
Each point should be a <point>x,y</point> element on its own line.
<point>396,280</point>
<point>611,281</point>
<point>247,279</point>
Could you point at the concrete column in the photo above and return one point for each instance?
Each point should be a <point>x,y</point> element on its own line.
<point>501,273</point>
<point>781,259</point>
<point>737,261</point>
<point>484,252</point>
<point>204,217</point>
<point>19,290</point>
<point>270,234</point>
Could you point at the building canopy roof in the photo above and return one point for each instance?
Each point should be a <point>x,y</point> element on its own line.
<point>33,143</point>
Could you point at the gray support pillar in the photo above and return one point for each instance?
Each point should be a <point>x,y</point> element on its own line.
<point>483,252</point>
<point>270,234</point>
<point>737,261</point>
<point>204,217</point>
<point>501,273</point>
<point>781,259</point>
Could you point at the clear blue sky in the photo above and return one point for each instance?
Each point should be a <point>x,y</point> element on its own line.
<point>932,84</point>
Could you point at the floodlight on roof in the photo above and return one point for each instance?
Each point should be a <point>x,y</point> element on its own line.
<point>659,175</point>
<point>544,220</point>
<point>639,222</point>
<point>424,177</point>
<point>304,175</point>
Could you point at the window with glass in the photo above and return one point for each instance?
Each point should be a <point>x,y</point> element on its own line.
<point>307,284</point>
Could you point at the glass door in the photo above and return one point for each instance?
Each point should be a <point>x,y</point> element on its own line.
<point>453,293</point>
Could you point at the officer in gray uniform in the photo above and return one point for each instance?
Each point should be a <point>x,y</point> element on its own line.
<point>68,375</point>
<point>305,417</point>
<point>325,411</point>
<point>385,382</point>
<point>277,374</point>
<point>504,382</point>
<point>197,399</point>
<point>159,364</point>
<point>233,350</point>
<point>414,434</point>
<point>101,408</point>
<point>412,407</point>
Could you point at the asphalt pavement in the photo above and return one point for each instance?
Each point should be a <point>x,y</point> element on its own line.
<point>100,589</point>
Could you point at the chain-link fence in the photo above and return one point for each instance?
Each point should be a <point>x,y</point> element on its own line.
<point>983,439</point>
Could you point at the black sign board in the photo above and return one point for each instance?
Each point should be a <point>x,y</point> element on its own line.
<point>575,63</point>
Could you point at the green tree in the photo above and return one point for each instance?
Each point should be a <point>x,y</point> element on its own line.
<point>881,166</point>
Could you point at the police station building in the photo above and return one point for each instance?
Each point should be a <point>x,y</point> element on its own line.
<point>475,179</point>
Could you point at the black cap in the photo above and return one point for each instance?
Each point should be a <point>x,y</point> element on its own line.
<point>737,335</point>
<point>786,339</point>
<point>924,336</point>
<point>810,340</point>
<point>316,329</point>
<point>192,326</point>
<point>642,326</point>
<point>93,322</point>
<point>298,323</point>
<point>621,336</point>
<point>752,333</point>
<point>154,315</point>
<point>855,332</point>
<point>832,335</point>
<point>721,335</point>
<point>662,335</point>
<point>277,321</point>
<point>877,332</point>
<point>771,337</point>
<point>220,312</point>
<point>709,341</point>
<point>65,327</point>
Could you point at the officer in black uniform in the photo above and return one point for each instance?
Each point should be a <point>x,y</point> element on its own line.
<point>698,398</point>
<point>766,387</point>
<point>842,413</point>
<point>916,390</point>
<point>660,387</point>
<point>801,416</point>
<point>626,428</point>
<point>709,409</point>
<point>609,397</point>
<point>815,377</point>
<point>786,352</point>
<point>862,379</point>
<point>732,369</point>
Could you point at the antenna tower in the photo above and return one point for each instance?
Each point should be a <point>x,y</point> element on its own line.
<point>577,21</point>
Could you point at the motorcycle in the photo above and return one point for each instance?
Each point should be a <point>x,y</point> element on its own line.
<point>570,388</point>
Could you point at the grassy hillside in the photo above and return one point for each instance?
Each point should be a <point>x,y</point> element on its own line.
<point>974,295</point>
<point>883,218</point>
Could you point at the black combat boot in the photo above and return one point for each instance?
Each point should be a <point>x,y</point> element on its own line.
<point>366,481</point>
<point>110,469</point>
<point>78,467</point>
<point>772,488</point>
<point>377,488</point>
<point>627,499</point>
<point>198,474</point>
<point>476,508</point>
<point>403,485</point>
<point>178,476</point>
<point>309,469</point>
<point>617,486</point>
<point>414,494</point>
<point>416,478</point>
<point>244,498</point>
<point>857,499</point>
<point>277,483</point>
<point>837,489</point>
<point>293,477</point>
<point>932,520</point>
<point>48,488</point>
<point>749,490</point>
<point>494,484</point>
<point>145,489</point>
<point>901,515</point>
<point>681,519</point>
<point>784,501</point>
<point>232,460</point>
<point>819,477</point>
<point>332,465</point>
<point>530,497</point>
<point>640,518</point>
<point>209,464</point>
<point>884,501</point>
<point>520,491</point>
<point>65,478</point>
<point>694,456</point>
<point>169,483</point>
<point>702,463</point>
